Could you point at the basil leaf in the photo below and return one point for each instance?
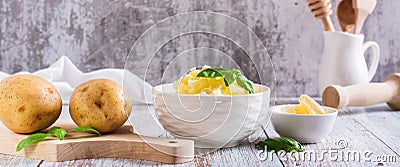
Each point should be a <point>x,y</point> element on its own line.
<point>54,131</point>
<point>209,73</point>
<point>85,128</point>
<point>57,132</point>
<point>245,84</point>
<point>31,139</point>
<point>218,72</point>
<point>230,76</point>
<point>277,144</point>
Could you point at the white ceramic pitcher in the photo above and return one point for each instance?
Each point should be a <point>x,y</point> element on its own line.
<point>343,62</point>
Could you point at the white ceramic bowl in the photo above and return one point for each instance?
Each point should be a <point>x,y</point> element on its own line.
<point>304,128</point>
<point>211,121</point>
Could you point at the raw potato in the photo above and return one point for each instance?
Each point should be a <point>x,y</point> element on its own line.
<point>101,104</point>
<point>28,103</point>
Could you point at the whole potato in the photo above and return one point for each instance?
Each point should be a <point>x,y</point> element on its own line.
<point>28,103</point>
<point>101,104</point>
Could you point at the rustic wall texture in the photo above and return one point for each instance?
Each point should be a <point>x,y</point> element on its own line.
<point>98,34</point>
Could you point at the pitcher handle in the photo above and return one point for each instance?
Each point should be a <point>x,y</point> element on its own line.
<point>375,57</point>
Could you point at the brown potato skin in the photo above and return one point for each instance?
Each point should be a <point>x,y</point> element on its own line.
<point>101,104</point>
<point>28,103</point>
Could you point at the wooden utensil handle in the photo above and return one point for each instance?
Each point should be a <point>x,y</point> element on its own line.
<point>358,95</point>
<point>321,10</point>
<point>328,24</point>
<point>361,15</point>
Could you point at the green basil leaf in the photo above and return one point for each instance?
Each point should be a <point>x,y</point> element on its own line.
<point>217,72</point>
<point>31,139</point>
<point>209,73</point>
<point>57,132</point>
<point>54,131</point>
<point>230,76</point>
<point>245,84</point>
<point>85,128</point>
<point>277,144</point>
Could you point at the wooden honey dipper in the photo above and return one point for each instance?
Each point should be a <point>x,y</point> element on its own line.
<point>364,94</point>
<point>321,10</point>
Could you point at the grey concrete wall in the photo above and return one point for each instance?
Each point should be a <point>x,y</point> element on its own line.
<point>98,34</point>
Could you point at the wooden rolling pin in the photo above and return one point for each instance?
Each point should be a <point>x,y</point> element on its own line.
<point>321,10</point>
<point>364,94</point>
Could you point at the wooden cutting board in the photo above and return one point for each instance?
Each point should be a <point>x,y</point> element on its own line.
<point>121,143</point>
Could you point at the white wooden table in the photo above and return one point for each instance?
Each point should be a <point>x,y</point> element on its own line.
<point>373,129</point>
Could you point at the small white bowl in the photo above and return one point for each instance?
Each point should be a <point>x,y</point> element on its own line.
<point>305,128</point>
<point>211,121</point>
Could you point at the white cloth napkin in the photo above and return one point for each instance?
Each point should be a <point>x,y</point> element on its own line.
<point>65,76</point>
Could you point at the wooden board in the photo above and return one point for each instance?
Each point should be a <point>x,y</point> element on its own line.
<point>120,144</point>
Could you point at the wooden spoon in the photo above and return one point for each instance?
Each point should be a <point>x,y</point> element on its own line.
<point>346,15</point>
<point>362,10</point>
<point>321,10</point>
